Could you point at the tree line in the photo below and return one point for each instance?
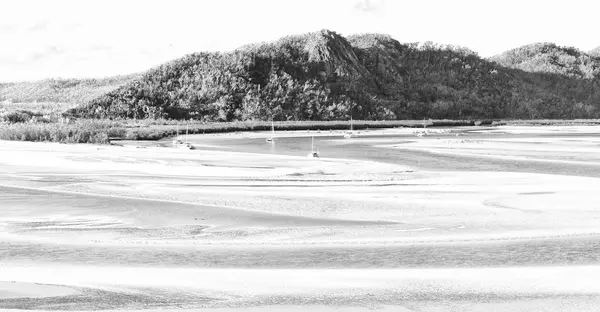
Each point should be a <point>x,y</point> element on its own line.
<point>324,76</point>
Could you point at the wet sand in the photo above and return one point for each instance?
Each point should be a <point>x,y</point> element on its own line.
<point>232,228</point>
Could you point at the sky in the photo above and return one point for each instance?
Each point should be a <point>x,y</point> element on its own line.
<point>96,38</point>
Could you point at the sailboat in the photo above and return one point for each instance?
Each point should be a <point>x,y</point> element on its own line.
<point>350,134</point>
<point>187,143</point>
<point>272,137</point>
<point>313,153</point>
<point>178,142</point>
<point>177,139</point>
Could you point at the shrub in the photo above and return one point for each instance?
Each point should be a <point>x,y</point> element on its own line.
<point>83,131</point>
<point>20,116</point>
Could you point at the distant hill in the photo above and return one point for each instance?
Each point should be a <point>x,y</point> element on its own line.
<point>324,76</point>
<point>550,58</point>
<point>61,90</point>
<point>595,52</point>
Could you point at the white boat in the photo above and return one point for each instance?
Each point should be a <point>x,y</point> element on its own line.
<point>188,146</point>
<point>350,134</point>
<point>313,153</point>
<point>271,139</point>
<point>179,143</point>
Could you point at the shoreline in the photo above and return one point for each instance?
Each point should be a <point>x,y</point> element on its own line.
<point>104,131</point>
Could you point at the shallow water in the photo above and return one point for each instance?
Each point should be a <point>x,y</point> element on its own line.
<point>363,148</point>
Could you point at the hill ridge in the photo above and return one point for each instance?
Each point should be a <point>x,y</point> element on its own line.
<point>548,57</point>
<point>324,76</point>
<point>61,90</point>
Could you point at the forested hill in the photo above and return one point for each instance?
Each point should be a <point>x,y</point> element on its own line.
<point>550,58</point>
<point>595,52</point>
<point>61,90</point>
<point>324,76</point>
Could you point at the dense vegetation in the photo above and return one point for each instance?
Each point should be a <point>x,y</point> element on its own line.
<point>324,76</point>
<point>558,82</point>
<point>50,110</point>
<point>550,58</point>
<point>74,91</point>
<point>81,131</point>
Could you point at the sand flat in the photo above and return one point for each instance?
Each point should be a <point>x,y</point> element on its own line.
<point>129,228</point>
<point>366,288</point>
<point>13,289</point>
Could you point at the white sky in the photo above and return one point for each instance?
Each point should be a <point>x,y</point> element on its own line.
<point>94,38</point>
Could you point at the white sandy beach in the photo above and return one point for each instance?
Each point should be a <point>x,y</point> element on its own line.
<point>161,228</point>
